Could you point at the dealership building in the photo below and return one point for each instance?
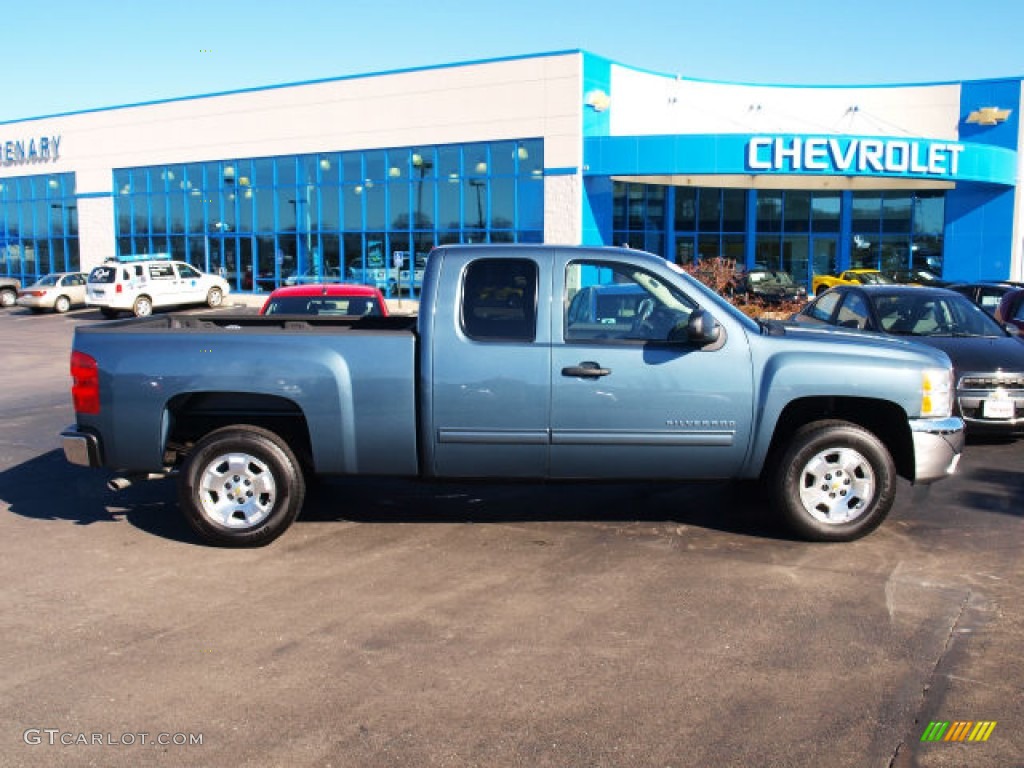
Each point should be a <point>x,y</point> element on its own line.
<point>356,178</point>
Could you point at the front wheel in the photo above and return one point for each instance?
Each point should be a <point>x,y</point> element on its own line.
<point>215,298</point>
<point>241,486</point>
<point>62,305</point>
<point>8,297</point>
<point>834,482</point>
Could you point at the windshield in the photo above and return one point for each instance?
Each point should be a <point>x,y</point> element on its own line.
<point>931,314</point>
<point>873,278</point>
<point>323,305</point>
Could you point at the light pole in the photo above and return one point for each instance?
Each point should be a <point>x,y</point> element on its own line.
<point>478,185</point>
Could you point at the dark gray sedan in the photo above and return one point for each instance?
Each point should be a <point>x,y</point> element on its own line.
<point>988,359</point>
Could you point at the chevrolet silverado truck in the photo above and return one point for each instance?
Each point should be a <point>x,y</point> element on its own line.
<point>501,376</point>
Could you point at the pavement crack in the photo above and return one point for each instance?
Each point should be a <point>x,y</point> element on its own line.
<point>935,670</point>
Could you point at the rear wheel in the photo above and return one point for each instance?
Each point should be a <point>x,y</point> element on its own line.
<point>62,304</point>
<point>834,482</point>
<point>143,306</point>
<point>8,297</point>
<point>241,486</point>
<point>215,297</point>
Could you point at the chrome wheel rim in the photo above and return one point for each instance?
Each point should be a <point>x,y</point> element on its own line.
<point>62,304</point>
<point>143,308</point>
<point>837,486</point>
<point>237,490</point>
<point>7,299</point>
<point>215,298</point>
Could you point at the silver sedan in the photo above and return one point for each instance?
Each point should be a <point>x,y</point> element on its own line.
<point>59,291</point>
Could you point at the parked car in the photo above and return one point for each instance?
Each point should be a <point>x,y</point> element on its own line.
<point>988,361</point>
<point>59,291</point>
<point>821,283</point>
<point>773,286</point>
<point>330,275</point>
<point>986,293</point>
<point>326,299</point>
<point>917,276</point>
<point>139,284</point>
<point>1011,309</point>
<point>9,288</point>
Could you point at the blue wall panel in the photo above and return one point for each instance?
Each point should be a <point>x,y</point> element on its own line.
<point>597,210</point>
<point>979,217</point>
<point>979,233</point>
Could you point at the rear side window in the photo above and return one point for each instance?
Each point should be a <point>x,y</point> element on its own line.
<point>499,300</point>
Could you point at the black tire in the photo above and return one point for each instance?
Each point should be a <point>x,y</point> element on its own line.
<point>835,481</point>
<point>110,314</point>
<point>61,305</point>
<point>241,486</point>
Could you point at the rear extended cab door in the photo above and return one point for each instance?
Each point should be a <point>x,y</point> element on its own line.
<point>485,378</point>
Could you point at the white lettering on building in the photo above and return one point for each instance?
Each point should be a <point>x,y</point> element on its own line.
<point>865,156</point>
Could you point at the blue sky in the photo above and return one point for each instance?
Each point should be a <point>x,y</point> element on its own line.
<point>69,55</point>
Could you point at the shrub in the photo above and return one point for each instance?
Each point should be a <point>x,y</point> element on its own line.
<point>721,275</point>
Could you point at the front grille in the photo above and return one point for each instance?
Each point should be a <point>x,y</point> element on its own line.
<point>992,381</point>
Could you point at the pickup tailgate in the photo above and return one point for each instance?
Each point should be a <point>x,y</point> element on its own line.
<point>353,381</point>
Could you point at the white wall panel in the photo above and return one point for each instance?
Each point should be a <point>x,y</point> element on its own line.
<point>647,104</point>
<point>478,102</point>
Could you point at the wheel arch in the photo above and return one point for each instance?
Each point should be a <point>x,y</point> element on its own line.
<point>189,417</point>
<point>884,419</point>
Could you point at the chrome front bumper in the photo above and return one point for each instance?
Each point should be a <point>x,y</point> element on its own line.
<point>81,448</point>
<point>937,447</point>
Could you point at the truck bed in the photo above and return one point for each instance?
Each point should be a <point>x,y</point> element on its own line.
<point>350,381</point>
<point>251,322</point>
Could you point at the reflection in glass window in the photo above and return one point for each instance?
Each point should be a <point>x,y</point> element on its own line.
<point>287,213</point>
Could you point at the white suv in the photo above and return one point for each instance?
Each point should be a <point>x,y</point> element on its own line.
<point>138,285</point>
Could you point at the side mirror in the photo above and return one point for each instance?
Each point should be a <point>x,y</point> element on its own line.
<point>700,330</point>
<point>1012,329</point>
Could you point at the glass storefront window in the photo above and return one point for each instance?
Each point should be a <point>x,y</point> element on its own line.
<point>686,209</point>
<point>309,214</point>
<point>734,210</point>
<point>796,215</point>
<point>825,208</point>
<point>769,211</point>
<point>896,211</point>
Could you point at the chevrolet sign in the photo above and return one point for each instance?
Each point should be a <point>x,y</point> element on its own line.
<point>853,155</point>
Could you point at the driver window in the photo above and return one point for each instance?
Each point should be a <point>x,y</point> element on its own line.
<point>611,301</point>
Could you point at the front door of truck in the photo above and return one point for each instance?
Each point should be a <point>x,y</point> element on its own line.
<point>490,369</point>
<point>629,403</point>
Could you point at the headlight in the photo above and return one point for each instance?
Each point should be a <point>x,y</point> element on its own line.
<point>936,393</point>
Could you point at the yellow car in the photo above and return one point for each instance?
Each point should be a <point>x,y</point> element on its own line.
<point>821,283</point>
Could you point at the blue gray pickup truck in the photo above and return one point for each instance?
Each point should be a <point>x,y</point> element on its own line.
<point>545,362</point>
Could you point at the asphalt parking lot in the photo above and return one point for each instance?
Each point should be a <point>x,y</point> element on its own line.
<point>399,624</point>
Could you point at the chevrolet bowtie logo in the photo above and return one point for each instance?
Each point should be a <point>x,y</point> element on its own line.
<point>988,116</point>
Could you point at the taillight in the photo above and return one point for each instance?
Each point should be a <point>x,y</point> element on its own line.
<point>85,389</point>
<point>117,288</point>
